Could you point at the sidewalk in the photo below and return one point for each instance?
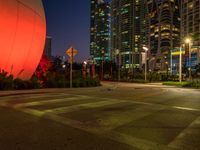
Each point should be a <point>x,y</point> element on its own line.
<point>32,91</point>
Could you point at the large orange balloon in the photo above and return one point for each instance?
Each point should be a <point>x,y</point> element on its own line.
<point>22,36</point>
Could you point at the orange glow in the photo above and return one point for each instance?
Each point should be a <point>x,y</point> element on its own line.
<point>23,31</point>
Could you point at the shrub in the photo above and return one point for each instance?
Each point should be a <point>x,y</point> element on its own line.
<point>194,83</point>
<point>178,84</point>
<point>6,81</point>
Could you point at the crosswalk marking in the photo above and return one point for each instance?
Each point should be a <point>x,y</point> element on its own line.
<point>53,114</point>
<point>178,141</point>
<point>82,106</point>
<point>186,108</point>
<point>116,136</point>
<point>137,142</point>
<point>46,102</point>
<point>34,96</point>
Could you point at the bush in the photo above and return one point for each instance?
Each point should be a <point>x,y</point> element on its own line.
<point>35,83</point>
<point>194,83</point>
<point>178,84</point>
<point>6,81</point>
<point>52,81</point>
<point>88,82</point>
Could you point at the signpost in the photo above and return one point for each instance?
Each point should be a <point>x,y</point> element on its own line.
<point>71,52</point>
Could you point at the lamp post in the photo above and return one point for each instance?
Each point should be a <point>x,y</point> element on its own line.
<point>102,52</point>
<point>145,70</point>
<point>117,52</point>
<point>188,41</point>
<point>180,65</point>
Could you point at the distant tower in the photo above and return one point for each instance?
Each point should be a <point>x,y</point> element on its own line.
<point>163,31</point>
<point>48,47</point>
<point>190,26</point>
<point>100,30</point>
<point>190,18</point>
<point>127,30</point>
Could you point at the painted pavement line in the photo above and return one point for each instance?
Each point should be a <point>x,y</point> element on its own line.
<point>34,96</point>
<point>60,110</point>
<point>137,142</point>
<point>90,97</point>
<point>178,141</point>
<point>186,108</point>
<point>44,102</point>
<point>147,103</point>
<point>116,136</point>
<point>119,137</point>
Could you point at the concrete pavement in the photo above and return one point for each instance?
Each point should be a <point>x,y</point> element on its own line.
<point>120,116</point>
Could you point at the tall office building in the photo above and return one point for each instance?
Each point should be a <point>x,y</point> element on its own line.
<point>190,28</point>
<point>163,31</point>
<point>100,30</point>
<point>127,30</point>
<point>48,47</point>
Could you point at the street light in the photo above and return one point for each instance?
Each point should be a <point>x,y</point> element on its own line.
<point>145,70</point>
<point>188,41</point>
<point>180,65</point>
<point>102,62</point>
<point>117,52</point>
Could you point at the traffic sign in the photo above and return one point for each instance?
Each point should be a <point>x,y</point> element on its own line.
<point>71,52</point>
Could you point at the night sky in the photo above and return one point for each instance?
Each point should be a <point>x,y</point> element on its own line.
<point>68,23</point>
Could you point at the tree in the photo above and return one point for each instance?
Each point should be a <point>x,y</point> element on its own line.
<point>43,67</point>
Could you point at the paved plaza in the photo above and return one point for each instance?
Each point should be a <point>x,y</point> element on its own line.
<point>115,116</point>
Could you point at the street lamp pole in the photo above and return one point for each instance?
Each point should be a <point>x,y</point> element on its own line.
<point>145,70</point>
<point>119,67</point>
<point>188,41</point>
<point>171,62</point>
<point>190,67</point>
<point>117,53</point>
<point>180,65</point>
<point>102,62</point>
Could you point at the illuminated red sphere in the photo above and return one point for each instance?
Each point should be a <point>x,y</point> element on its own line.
<point>22,36</point>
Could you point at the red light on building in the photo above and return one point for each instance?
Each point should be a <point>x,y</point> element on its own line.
<point>23,31</point>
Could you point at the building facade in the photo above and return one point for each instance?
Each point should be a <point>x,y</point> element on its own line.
<point>48,47</point>
<point>100,30</point>
<point>127,31</point>
<point>190,27</point>
<point>163,31</point>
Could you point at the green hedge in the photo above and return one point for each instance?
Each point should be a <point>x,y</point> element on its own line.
<point>193,84</point>
<point>7,82</point>
<point>178,84</point>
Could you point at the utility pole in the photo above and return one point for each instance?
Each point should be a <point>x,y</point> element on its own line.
<point>71,52</point>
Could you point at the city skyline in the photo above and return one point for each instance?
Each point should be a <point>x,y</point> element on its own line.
<point>68,26</point>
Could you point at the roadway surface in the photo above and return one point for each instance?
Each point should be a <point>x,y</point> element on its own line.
<point>115,116</point>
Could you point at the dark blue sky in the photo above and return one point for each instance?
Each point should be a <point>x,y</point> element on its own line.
<point>68,23</point>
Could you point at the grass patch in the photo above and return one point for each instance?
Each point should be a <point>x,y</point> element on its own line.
<point>178,84</point>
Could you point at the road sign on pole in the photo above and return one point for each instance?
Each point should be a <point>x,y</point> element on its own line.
<point>71,52</point>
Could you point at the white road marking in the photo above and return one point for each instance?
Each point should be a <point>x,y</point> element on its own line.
<point>82,106</point>
<point>137,142</point>
<point>116,136</point>
<point>46,102</point>
<point>179,140</point>
<point>185,108</point>
<point>32,96</point>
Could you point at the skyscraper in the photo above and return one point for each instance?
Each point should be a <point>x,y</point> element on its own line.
<point>163,31</point>
<point>190,18</point>
<point>48,47</point>
<point>100,30</point>
<point>127,29</point>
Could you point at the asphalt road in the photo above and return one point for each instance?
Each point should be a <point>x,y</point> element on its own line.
<point>115,116</point>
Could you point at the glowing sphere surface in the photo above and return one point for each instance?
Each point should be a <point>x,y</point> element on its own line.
<point>22,36</point>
